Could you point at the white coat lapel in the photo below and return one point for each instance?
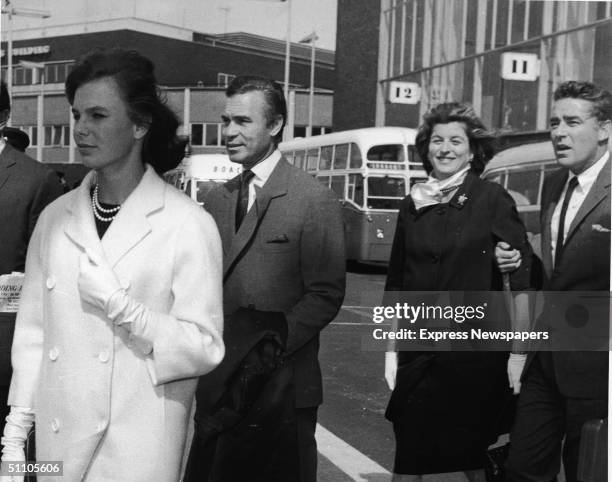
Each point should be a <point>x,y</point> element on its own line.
<point>80,226</point>
<point>131,224</point>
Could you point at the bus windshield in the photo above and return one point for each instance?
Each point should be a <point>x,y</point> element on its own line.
<point>385,192</point>
<point>387,153</point>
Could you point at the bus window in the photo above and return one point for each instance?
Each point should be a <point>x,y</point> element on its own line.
<point>337,185</point>
<point>340,156</point>
<point>524,186</point>
<point>327,153</point>
<point>356,160</point>
<point>498,177</point>
<point>323,180</point>
<point>299,159</point>
<point>385,192</point>
<point>414,160</point>
<point>387,153</point>
<point>355,189</point>
<point>312,158</point>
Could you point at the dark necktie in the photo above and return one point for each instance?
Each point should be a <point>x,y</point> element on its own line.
<point>243,197</point>
<point>568,195</point>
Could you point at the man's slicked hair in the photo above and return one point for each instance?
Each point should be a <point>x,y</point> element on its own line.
<point>273,95</point>
<point>601,98</point>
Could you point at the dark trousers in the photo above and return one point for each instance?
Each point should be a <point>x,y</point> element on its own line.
<point>4,408</point>
<point>306,419</point>
<point>543,418</point>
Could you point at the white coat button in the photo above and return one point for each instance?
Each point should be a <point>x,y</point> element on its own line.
<point>55,425</point>
<point>51,282</point>
<point>104,356</point>
<point>125,284</point>
<point>53,354</point>
<point>101,426</point>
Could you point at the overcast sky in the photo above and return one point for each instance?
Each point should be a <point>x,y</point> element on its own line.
<point>262,17</point>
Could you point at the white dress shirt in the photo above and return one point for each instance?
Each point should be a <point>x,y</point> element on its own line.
<point>586,179</point>
<point>262,171</point>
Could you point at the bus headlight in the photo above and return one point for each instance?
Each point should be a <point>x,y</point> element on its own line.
<point>380,234</point>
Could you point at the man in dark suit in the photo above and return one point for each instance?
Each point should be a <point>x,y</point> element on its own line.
<point>561,390</point>
<point>283,243</point>
<point>26,187</point>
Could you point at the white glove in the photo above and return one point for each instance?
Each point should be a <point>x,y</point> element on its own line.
<point>507,259</point>
<point>130,314</point>
<point>390,368</point>
<point>18,423</point>
<point>516,363</point>
<point>97,280</point>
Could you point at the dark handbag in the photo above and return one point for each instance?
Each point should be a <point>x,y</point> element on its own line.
<point>408,376</point>
<point>495,464</point>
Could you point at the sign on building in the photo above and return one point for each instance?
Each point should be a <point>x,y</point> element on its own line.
<point>520,66</point>
<point>404,92</point>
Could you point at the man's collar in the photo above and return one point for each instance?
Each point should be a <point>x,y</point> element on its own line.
<point>263,169</point>
<point>590,174</point>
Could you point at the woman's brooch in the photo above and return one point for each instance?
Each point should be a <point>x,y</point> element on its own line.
<point>462,199</point>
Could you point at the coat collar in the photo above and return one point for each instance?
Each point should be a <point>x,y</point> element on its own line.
<point>276,186</point>
<point>131,224</point>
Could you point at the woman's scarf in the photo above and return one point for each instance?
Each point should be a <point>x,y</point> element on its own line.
<point>433,190</point>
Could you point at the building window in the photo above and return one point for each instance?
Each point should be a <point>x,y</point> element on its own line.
<point>300,131</point>
<point>56,135</point>
<point>224,80</point>
<point>206,134</point>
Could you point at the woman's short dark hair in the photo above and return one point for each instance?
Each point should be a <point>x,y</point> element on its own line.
<point>273,94</point>
<point>482,141</point>
<point>135,76</point>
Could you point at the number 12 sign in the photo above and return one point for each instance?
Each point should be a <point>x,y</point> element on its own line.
<point>404,92</point>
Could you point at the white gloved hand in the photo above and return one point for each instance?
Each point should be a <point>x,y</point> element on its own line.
<point>516,363</point>
<point>97,281</point>
<point>18,423</point>
<point>507,259</point>
<point>390,368</point>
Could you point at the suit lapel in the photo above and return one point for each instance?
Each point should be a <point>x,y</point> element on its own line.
<point>275,186</point>
<point>548,207</point>
<point>597,194</point>
<point>7,161</point>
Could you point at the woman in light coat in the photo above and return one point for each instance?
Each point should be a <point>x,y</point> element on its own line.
<point>121,308</point>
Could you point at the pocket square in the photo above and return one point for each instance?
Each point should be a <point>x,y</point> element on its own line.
<point>599,228</point>
<point>281,238</point>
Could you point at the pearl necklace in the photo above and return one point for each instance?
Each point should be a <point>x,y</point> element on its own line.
<point>99,211</point>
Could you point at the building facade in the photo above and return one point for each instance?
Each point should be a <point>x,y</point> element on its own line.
<point>193,69</point>
<point>456,50</point>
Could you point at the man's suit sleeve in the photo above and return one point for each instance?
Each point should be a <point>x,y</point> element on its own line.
<point>323,268</point>
<point>48,189</point>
